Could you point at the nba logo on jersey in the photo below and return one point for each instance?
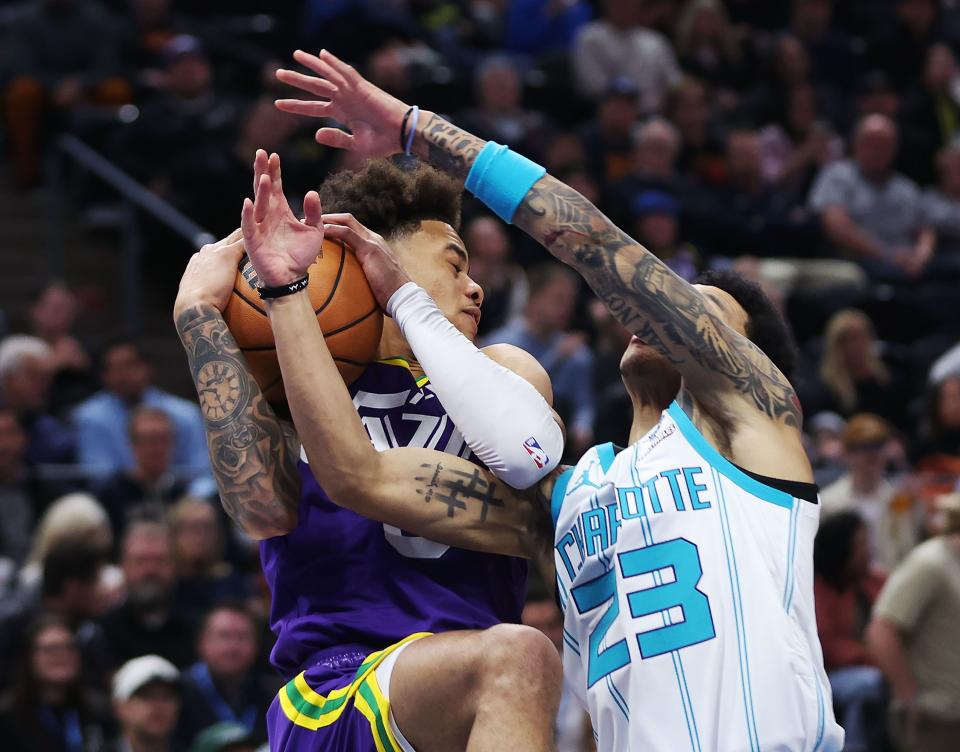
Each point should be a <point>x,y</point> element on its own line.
<point>536,452</point>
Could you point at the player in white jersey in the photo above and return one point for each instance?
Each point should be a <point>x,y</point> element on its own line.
<point>686,586</point>
<point>721,351</point>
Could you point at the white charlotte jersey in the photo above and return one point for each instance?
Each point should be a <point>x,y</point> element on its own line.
<point>687,590</point>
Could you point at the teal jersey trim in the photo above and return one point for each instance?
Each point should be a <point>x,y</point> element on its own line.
<point>606,453</point>
<point>723,465</point>
<point>559,492</point>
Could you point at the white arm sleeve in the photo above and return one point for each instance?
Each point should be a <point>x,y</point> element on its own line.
<point>503,418</point>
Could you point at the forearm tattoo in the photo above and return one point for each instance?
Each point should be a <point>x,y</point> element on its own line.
<point>663,310</point>
<point>455,488</point>
<point>253,453</point>
<point>447,147</point>
<point>477,492</point>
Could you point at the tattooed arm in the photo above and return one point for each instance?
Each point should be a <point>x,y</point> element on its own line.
<point>644,294</point>
<point>669,314</point>
<point>252,452</point>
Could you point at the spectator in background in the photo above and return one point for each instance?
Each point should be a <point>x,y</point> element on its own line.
<point>748,218</point>
<point>687,106</point>
<point>845,589</point>
<point>913,637</point>
<point>26,371</point>
<point>62,54</point>
<point>540,27</point>
<point>876,96</point>
<point>618,45</point>
<point>504,283</point>
<point>19,498</point>
<point>892,526</point>
<point>500,115</point>
<point>607,138</point>
<point>542,332</point>
<point>146,622</point>
<point>103,421</point>
<point>144,30</point>
<point>938,450</point>
<point>53,317</point>
<point>900,49</point>
<point>829,50</point>
<point>146,701</point>
<point>941,208</point>
<point>222,686</point>
<point>180,146</point>
<point>203,577</point>
<point>70,591</point>
<point>656,227</point>
<point>871,212</point>
<point>826,447</point>
<point>930,120</point>
<point>49,709</point>
<point>148,488</point>
<point>797,144</point>
<point>852,376</point>
<point>74,517</point>
<point>711,49</point>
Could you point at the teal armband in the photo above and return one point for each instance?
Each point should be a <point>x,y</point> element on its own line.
<point>500,178</point>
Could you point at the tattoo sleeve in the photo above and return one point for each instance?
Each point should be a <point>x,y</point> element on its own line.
<point>663,310</point>
<point>253,453</point>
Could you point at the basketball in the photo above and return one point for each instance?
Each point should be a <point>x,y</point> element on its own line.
<point>344,305</point>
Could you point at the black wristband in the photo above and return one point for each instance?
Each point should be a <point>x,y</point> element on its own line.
<point>267,293</point>
<point>403,130</point>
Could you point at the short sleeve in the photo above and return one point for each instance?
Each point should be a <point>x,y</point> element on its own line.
<point>909,590</point>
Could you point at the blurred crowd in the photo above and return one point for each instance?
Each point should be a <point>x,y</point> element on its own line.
<point>812,145</point>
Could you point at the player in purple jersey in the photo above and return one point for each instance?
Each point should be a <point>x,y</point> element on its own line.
<point>355,601</point>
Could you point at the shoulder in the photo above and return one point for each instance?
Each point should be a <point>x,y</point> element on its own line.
<point>836,496</point>
<point>176,406</point>
<point>523,364</point>
<point>94,407</point>
<point>904,186</point>
<point>926,559</point>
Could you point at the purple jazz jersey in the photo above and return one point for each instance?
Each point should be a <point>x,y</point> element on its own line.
<point>340,580</point>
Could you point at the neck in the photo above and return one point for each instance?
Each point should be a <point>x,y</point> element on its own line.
<point>645,417</point>
<point>142,476</point>
<point>53,694</point>
<point>394,345</point>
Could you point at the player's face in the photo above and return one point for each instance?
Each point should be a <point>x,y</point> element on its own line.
<point>435,258</point>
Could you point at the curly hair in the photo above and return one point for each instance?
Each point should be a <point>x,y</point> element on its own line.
<point>392,199</point>
<point>765,326</point>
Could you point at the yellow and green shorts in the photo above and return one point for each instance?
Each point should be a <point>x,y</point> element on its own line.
<point>340,704</point>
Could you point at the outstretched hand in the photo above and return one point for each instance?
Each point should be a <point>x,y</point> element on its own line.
<point>373,116</point>
<point>280,246</point>
<point>379,264</point>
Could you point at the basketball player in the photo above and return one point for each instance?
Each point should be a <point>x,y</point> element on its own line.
<point>355,600</point>
<point>684,563</point>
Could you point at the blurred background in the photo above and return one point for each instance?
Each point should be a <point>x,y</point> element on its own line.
<point>812,145</point>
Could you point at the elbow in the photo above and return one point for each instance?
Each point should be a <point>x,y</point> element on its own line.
<point>263,527</point>
<point>276,516</point>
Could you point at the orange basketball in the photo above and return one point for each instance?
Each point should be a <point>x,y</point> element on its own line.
<point>348,314</point>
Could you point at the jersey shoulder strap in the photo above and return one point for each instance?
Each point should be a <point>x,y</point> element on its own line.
<point>591,468</point>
